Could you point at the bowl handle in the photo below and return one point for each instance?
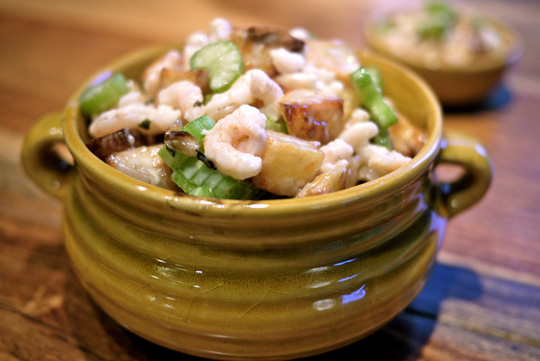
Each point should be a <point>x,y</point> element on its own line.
<point>467,152</point>
<point>41,155</point>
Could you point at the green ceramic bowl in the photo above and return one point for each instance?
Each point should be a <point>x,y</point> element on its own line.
<point>275,279</point>
<point>454,86</point>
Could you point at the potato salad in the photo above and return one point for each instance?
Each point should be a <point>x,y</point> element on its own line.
<point>250,113</point>
<point>438,34</point>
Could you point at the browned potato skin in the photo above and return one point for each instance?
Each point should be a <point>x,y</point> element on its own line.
<point>199,77</point>
<point>115,142</point>
<point>257,43</point>
<point>312,116</point>
<point>287,158</point>
<point>406,139</point>
<point>337,179</point>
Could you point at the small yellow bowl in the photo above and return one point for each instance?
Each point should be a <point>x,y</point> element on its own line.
<point>454,85</point>
<point>273,279</point>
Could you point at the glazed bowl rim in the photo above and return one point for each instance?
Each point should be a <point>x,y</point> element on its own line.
<point>146,193</point>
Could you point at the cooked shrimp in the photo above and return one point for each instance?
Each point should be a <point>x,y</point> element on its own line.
<point>300,33</point>
<point>311,78</point>
<point>334,152</point>
<point>147,118</point>
<point>255,85</point>
<point>134,95</point>
<point>181,95</point>
<point>358,115</point>
<point>235,144</point>
<point>267,91</point>
<point>220,30</point>
<point>378,161</point>
<point>150,78</point>
<point>359,134</point>
<point>286,61</point>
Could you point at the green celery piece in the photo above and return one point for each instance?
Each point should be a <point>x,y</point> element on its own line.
<point>376,77</point>
<point>372,99</point>
<point>223,60</point>
<point>277,126</point>
<point>433,29</point>
<point>98,98</point>
<point>442,18</point>
<point>385,26</point>
<point>441,9</point>
<point>199,127</point>
<point>383,138</point>
<point>196,179</point>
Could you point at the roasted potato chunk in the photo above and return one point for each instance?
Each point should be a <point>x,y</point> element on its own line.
<point>145,164</point>
<point>407,139</point>
<point>288,164</point>
<point>342,176</point>
<point>312,116</point>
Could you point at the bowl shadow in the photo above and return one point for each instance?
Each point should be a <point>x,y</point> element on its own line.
<point>497,99</point>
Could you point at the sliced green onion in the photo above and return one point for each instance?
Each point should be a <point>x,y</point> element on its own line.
<point>98,98</point>
<point>223,60</point>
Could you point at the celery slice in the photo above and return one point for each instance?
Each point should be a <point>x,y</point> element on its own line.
<point>442,18</point>
<point>376,77</point>
<point>196,179</point>
<point>277,126</point>
<point>98,98</point>
<point>223,60</point>
<point>372,99</point>
<point>380,111</point>
<point>199,127</point>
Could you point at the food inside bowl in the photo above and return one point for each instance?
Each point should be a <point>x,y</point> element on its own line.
<point>249,114</point>
<point>441,35</point>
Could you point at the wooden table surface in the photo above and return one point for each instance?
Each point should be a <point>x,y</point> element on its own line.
<point>483,299</point>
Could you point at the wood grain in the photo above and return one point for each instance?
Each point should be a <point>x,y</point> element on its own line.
<point>483,299</point>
